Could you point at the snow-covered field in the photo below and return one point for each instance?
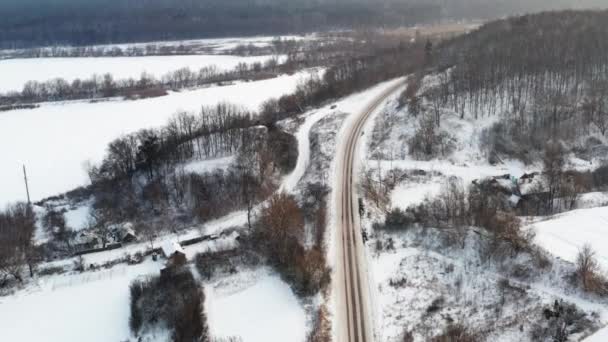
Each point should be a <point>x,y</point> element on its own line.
<point>255,306</point>
<point>565,234</point>
<point>92,306</point>
<point>55,140</point>
<point>16,72</point>
<point>600,336</point>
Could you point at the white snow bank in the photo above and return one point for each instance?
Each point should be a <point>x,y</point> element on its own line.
<point>266,311</point>
<point>77,219</point>
<point>407,194</point>
<point>466,172</point>
<point>16,72</point>
<point>563,235</point>
<point>600,336</point>
<point>208,165</point>
<point>592,200</point>
<point>55,140</point>
<point>91,307</point>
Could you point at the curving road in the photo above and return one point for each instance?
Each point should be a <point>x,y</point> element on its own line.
<point>353,314</point>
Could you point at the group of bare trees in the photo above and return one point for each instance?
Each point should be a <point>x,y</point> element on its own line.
<point>349,73</point>
<point>509,65</point>
<point>356,61</point>
<point>545,73</point>
<point>589,272</point>
<point>457,208</point>
<point>147,85</point>
<point>280,235</point>
<point>17,248</point>
<point>143,177</point>
<point>215,131</point>
<point>428,140</point>
<point>277,46</point>
<point>55,225</point>
<point>175,301</point>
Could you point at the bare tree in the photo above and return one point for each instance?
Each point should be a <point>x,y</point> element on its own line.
<point>282,222</point>
<point>148,231</point>
<point>99,221</point>
<point>588,271</point>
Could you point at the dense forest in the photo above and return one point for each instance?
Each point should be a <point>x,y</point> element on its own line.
<point>34,22</point>
<point>31,23</point>
<point>540,83</point>
<point>544,73</point>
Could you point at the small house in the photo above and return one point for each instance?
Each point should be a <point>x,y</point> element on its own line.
<point>174,253</point>
<point>128,233</point>
<point>85,240</point>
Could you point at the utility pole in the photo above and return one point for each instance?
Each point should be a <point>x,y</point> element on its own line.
<point>27,188</point>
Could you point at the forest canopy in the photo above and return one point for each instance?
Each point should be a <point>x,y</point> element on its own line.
<point>31,23</point>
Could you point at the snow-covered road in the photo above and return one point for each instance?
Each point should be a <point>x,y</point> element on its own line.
<point>353,307</point>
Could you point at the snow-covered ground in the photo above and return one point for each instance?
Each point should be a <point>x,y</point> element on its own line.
<point>93,306</point>
<point>55,140</point>
<point>423,284</point>
<point>16,72</point>
<point>77,218</point>
<point>410,271</point>
<point>565,234</point>
<point>600,336</point>
<point>255,306</point>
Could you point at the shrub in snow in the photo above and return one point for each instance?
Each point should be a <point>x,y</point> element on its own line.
<point>456,333</point>
<point>561,321</point>
<point>435,306</point>
<point>46,271</point>
<point>407,336</point>
<point>588,272</point>
<point>211,263</point>
<point>397,219</point>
